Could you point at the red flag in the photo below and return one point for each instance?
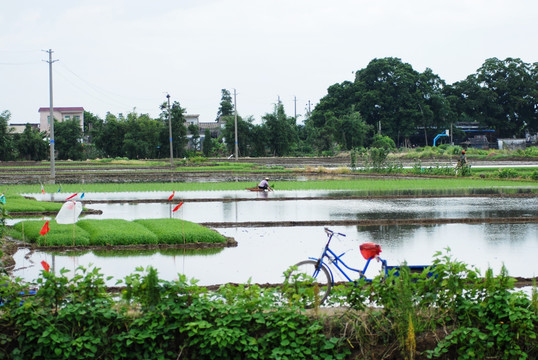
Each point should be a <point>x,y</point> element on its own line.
<point>172,196</point>
<point>45,265</point>
<point>72,196</point>
<point>177,207</point>
<point>45,229</point>
<point>42,189</point>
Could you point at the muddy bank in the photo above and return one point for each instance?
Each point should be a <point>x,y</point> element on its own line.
<point>375,222</point>
<point>84,172</point>
<point>422,194</point>
<point>10,246</point>
<point>16,244</point>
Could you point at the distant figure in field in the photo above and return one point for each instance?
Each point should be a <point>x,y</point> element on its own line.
<point>264,184</point>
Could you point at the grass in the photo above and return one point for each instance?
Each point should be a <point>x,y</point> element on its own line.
<point>348,184</point>
<point>17,203</point>
<point>113,232</point>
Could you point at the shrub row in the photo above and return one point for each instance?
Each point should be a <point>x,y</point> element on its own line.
<point>464,315</point>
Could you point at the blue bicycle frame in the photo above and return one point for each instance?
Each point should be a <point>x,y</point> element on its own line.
<point>336,260</point>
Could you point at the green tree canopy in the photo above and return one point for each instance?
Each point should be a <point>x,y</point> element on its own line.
<point>68,140</point>
<point>142,136</point>
<point>179,130</point>
<point>503,95</point>
<point>226,105</point>
<point>280,130</point>
<point>32,144</point>
<point>110,139</point>
<point>6,140</point>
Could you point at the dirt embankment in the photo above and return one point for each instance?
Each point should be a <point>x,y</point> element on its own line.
<point>85,172</point>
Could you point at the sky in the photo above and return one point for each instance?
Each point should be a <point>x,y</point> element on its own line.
<point>120,56</point>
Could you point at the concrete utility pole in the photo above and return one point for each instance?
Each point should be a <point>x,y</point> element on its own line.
<point>235,123</point>
<point>51,119</point>
<point>170,132</point>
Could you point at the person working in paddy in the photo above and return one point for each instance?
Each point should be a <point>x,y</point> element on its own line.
<point>264,184</point>
<point>463,160</point>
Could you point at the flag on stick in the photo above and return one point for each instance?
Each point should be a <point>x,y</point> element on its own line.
<point>82,196</point>
<point>172,196</point>
<point>72,196</point>
<point>45,265</point>
<point>3,199</point>
<point>177,207</point>
<point>60,188</point>
<point>45,229</point>
<point>42,189</point>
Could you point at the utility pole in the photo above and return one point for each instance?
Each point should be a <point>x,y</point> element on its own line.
<point>51,118</point>
<point>235,125</point>
<point>170,132</point>
<point>295,107</point>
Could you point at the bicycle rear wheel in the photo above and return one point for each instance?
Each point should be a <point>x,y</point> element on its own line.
<point>309,282</point>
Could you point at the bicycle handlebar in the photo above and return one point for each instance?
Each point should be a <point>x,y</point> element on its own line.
<point>329,231</point>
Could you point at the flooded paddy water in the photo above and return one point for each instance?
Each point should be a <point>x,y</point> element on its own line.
<point>265,252</point>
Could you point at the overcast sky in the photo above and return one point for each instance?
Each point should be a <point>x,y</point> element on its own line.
<point>119,55</point>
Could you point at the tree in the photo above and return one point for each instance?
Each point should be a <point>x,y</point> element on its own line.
<point>68,140</point>
<point>6,139</point>
<point>207,144</point>
<point>388,94</point>
<point>194,130</point>
<point>353,130</point>
<point>506,93</point>
<point>322,125</point>
<point>142,136</point>
<point>244,135</point>
<point>179,130</point>
<point>226,105</point>
<point>110,139</point>
<point>281,131</point>
<point>32,144</point>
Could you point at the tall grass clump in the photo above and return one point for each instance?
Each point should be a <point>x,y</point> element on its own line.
<point>17,203</point>
<point>176,231</point>
<point>58,235</point>
<point>117,232</point>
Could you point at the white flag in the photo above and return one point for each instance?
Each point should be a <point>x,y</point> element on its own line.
<point>69,212</point>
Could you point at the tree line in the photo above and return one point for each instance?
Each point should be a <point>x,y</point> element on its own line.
<point>388,100</point>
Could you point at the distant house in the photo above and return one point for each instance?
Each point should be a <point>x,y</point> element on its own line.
<point>215,128</point>
<point>19,128</point>
<point>61,114</point>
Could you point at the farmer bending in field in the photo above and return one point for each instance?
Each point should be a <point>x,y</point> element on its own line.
<point>462,161</point>
<point>264,184</point>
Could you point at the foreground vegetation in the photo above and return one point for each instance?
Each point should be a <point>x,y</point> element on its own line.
<point>113,232</point>
<point>453,314</point>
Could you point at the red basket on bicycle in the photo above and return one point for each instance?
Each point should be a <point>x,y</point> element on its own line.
<point>370,250</point>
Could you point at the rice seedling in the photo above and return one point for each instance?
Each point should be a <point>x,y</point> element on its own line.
<point>115,232</point>
<point>176,231</point>
<point>58,235</point>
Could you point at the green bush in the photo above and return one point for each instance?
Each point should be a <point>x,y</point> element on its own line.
<point>159,320</point>
<point>507,173</point>
<point>384,142</point>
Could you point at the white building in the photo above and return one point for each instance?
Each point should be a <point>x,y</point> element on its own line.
<point>61,114</point>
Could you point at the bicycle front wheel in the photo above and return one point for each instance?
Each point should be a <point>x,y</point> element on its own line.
<point>310,282</point>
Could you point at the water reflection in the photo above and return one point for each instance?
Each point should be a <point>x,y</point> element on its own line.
<point>305,210</point>
<point>264,253</point>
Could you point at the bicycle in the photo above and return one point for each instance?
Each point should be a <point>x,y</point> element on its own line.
<point>318,273</point>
